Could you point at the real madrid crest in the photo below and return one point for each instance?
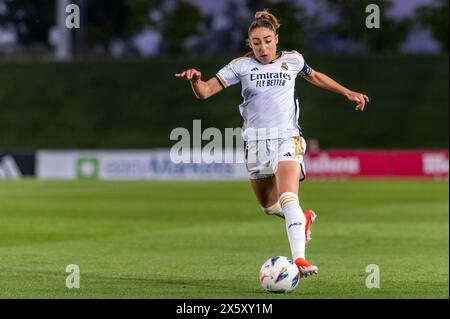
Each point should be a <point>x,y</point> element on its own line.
<point>284,66</point>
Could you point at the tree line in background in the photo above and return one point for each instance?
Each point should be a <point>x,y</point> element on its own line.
<point>184,29</point>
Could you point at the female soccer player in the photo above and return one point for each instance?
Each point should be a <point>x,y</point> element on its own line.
<point>274,146</point>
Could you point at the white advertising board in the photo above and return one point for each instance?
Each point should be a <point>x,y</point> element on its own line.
<point>130,165</point>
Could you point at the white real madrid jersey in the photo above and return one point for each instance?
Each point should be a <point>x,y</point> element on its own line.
<point>270,106</point>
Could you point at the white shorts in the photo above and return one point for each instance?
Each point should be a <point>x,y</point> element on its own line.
<point>262,157</point>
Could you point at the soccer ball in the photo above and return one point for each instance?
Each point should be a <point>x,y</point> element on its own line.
<point>279,274</point>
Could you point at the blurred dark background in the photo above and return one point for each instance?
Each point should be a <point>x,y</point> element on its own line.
<point>114,85</point>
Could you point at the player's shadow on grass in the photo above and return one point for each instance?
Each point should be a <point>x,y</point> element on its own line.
<point>184,284</point>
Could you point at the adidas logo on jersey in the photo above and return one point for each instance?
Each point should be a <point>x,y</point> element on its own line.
<point>288,154</point>
<point>255,69</point>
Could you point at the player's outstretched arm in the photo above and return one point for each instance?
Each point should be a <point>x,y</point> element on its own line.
<point>325,82</point>
<point>202,90</point>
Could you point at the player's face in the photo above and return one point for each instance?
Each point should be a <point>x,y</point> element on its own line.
<point>263,42</point>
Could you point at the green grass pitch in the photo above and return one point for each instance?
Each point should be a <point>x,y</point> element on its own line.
<point>208,239</point>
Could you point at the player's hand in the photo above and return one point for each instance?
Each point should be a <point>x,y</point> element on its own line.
<point>190,75</point>
<point>359,98</point>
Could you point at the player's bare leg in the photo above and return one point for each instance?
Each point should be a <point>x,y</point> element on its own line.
<point>266,193</point>
<point>287,180</point>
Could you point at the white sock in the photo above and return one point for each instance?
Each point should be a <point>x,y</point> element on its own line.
<point>275,209</point>
<point>295,224</point>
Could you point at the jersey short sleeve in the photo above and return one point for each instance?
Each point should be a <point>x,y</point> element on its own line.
<point>228,75</point>
<point>305,69</point>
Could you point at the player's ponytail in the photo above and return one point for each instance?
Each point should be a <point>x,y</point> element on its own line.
<point>261,19</point>
<point>266,20</point>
